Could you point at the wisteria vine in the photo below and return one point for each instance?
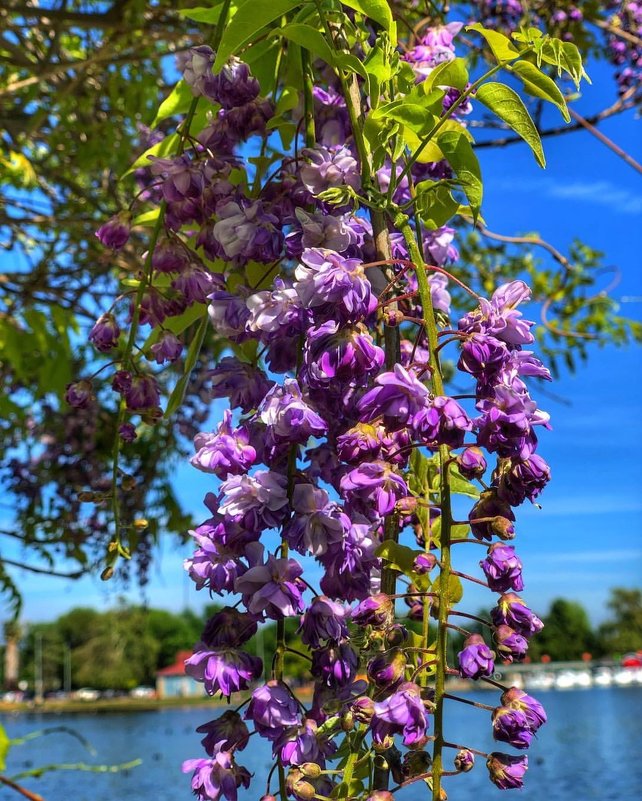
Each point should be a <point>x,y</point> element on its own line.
<point>325,270</point>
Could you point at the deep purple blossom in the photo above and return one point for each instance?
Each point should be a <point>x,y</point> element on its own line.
<point>483,357</point>
<point>464,760</point>
<point>244,384</point>
<point>115,232</point>
<point>398,396</point>
<point>224,670</point>
<point>471,463</point>
<point>511,726</point>
<point>287,416</point>
<point>499,316</point>
<point>218,777</point>
<point>273,709</point>
<point>225,733</point>
<point>323,620</point>
<point>491,516</point>
<point>506,771</point>
<point>316,523</point>
<point>234,85</point>
<point>104,335</point>
<point>319,230</point>
<point>333,287</point>
<point>272,588</point>
<point>376,611</point>
<point>512,611</point>
<point>167,348</point>
<point>143,394</point>
<point>196,65</point>
<point>246,233</point>
<point>476,659</point>
<point>506,423</point>
<point>302,744</point>
<point>531,707</point>
<point>333,353</point>
<point>335,664</point>
<point>502,568</point>
<point>442,421</point>
<point>229,314</point>
<point>402,713</point>
<point>387,669</point>
<point>214,565</point>
<point>79,394</point>
<point>350,564</point>
<point>511,646</point>
<point>229,627</point>
<point>226,451</point>
<point>373,488</point>
<point>522,479</point>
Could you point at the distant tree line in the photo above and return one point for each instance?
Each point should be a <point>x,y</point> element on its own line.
<point>124,647</point>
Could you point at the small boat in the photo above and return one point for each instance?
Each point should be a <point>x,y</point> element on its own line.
<point>603,677</point>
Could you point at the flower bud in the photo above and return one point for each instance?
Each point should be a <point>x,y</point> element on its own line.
<point>347,721</point>
<point>424,563</point>
<point>464,760</point>
<point>471,463</point>
<point>415,763</point>
<point>392,317</point>
<point>115,232</point>
<point>476,659</point>
<point>377,611</point>
<point>511,646</point>
<point>104,335</point>
<point>79,393</point>
<point>311,770</point>
<point>381,795</point>
<point>363,710</point>
<point>387,669</point>
<point>297,786</point>
<point>507,771</point>
<point>127,432</point>
<point>503,528</point>
<point>406,506</point>
<point>396,635</point>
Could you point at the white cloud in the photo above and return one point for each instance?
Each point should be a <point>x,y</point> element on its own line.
<point>601,193</point>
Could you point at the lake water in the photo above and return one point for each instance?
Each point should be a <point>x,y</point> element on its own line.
<point>591,748</point>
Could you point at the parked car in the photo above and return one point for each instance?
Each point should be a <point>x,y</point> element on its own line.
<point>143,692</point>
<point>87,694</point>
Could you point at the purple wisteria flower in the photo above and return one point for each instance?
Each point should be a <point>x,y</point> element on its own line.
<point>272,588</point>
<point>387,669</point>
<point>511,646</point>
<point>506,423</point>
<point>229,627</point>
<point>234,85</point>
<point>471,463</point>
<point>273,709</point>
<point>79,394</point>
<point>143,394</point>
<point>225,733</point>
<point>476,659</point>
<point>329,167</point>
<point>115,232</point>
<point>244,384</point>
<point>376,611</point>
<point>335,664</point>
<point>490,517</point>
<point>273,311</point>
<point>218,777</point>
<point>298,746</point>
<point>226,451</point>
<point>256,502</point>
<point>373,488</point>
<point>522,479</point>
<point>246,233</point>
<point>316,523</point>
<point>402,713</point>
<point>398,396</point>
<point>441,422</point>
<point>506,771</point>
<point>229,314</point>
<point>287,416</point>
<point>499,316</point>
<point>464,760</point>
<point>213,564</point>
<point>332,353</point>
<point>224,670</point>
<point>319,230</point>
<point>333,287</point>
<point>350,565</point>
<point>512,611</point>
<point>104,335</point>
<point>323,620</point>
<point>534,711</point>
<point>511,726</point>
<point>196,65</point>
<point>502,568</point>
<point>167,348</point>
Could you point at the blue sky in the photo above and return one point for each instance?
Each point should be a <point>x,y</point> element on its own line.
<point>588,535</point>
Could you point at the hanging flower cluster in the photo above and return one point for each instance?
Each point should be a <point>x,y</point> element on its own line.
<point>340,439</point>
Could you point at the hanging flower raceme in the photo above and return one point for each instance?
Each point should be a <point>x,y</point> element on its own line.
<point>330,319</point>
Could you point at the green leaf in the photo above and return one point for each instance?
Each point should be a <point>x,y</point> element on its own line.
<point>450,73</point>
<point>166,146</point>
<point>455,589</point>
<point>459,484</point>
<point>501,46</point>
<point>209,16</point>
<point>508,106</point>
<point>310,39</point>
<point>378,10</point>
<point>5,745</point>
<point>461,157</point>
<point>537,84</point>
<point>178,102</point>
<point>249,20</point>
<point>563,55</point>
<point>435,204</point>
<point>147,218</point>
<point>176,398</point>
<point>398,557</point>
